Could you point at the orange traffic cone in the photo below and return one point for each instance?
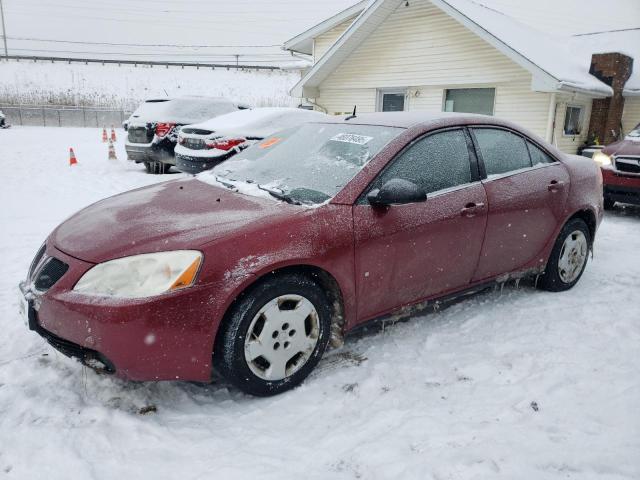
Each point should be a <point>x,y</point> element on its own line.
<point>104,135</point>
<point>72,158</point>
<point>113,135</point>
<point>112,151</point>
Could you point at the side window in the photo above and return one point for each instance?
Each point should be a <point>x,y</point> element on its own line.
<point>435,162</point>
<point>501,150</point>
<point>538,156</point>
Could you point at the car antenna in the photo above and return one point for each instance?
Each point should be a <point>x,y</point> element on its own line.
<point>353,115</point>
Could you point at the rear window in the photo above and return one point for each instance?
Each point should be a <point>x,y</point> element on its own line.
<point>182,110</point>
<point>192,110</point>
<point>634,134</point>
<point>309,163</point>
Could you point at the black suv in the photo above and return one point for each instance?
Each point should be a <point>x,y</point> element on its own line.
<point>152,130</point>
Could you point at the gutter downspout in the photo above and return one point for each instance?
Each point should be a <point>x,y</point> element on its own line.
<point>551,118</point>
<point>317,105</point>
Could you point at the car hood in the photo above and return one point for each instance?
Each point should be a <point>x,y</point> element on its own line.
<point>182,214</point>
<point>623,147</point>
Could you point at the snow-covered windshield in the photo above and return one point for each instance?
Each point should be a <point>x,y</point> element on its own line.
<point>634,134</point>
<point>306,164</point>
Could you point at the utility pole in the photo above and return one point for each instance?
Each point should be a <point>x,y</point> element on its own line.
<point>4,31</point>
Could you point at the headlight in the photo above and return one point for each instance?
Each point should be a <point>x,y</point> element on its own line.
<point>602,159</point>
<point>143,275</point>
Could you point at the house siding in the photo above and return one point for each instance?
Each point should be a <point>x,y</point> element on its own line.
<point>570,143</point>
<point>631,113</point>
<point>323,42</point>
<point>422,49</point>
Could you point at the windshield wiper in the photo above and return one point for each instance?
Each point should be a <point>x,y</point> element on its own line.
<point>280,195</point>
<point>230,186</point>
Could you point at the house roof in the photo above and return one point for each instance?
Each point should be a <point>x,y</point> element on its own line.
<point>303,43</point>
<point>625,41</point>
<point>557,62</point>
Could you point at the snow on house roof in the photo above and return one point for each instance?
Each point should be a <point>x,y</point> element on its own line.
<point>558,62</point>
<point>549,58</point>
<point>303,43</point>
<point>625,41</point>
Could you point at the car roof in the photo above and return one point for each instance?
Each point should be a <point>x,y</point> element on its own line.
<point>414,118</point>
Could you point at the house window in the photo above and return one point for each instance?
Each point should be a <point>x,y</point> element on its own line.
<point>391,100</point>
<point>573,121</point>
<point>470,100</point>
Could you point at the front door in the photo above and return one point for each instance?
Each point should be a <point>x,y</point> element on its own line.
<point>406,253</point>
<point>526,191</point>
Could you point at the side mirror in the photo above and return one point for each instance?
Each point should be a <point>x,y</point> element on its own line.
<point>396,192</point>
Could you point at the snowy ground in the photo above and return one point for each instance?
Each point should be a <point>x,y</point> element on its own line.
<point>514,384</point>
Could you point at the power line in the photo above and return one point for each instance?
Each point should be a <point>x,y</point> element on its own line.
<point>140,44</point>
<point>273,57</point>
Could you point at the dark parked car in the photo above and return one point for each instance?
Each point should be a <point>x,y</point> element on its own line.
<point>620,162</point>
<point>3,121</point>
<point>152,130</point>
<point>204,145</point>
<point>254,267</point>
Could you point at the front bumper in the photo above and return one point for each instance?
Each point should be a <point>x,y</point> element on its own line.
<point>91,358</point>
<point>159,338</point>
<point>620,186</point>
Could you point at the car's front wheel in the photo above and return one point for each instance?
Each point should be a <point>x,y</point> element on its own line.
<point>274,335</point>
<point>568,258</point>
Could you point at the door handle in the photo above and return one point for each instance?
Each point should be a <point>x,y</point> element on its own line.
<point>471,208</point>
<point>555,185</point>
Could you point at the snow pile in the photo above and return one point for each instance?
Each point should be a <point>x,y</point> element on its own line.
<point>517,384</point>
<point>126,86</point>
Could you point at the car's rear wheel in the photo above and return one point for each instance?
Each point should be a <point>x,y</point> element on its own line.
<point>157,168</point>
<point>568,258</point>
<point>275,335</point>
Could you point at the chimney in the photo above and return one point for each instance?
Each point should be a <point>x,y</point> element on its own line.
<point>614,69</point>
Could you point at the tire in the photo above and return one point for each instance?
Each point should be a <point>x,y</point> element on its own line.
<point>609,203</point>
<point>257,328</point>
<point>157,168</point>
<point>568,258</point>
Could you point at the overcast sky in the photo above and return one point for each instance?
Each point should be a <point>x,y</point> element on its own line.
<point>255,27</point>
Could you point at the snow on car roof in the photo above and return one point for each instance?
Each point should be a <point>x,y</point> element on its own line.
<point>187,109</point>
<point>259,122</point>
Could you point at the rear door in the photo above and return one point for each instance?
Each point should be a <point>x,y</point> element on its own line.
<point>526,191</point>
<point>405,253</point>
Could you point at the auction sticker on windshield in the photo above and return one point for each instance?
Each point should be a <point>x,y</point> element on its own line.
<point>269,142</point>
<point>352,138</point>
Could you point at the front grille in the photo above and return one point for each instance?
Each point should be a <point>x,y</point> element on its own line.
<point>50,273</point>
<point>140,134</point>
<point>36,261</point>
<point>628,164</point>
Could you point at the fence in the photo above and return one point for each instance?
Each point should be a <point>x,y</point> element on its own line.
<point>63,116</point>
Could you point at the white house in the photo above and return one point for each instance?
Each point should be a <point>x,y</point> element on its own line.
<point>515,60</point>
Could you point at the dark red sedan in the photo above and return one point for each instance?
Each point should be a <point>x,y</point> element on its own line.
<point>252,269</point>
<point>620,162</point>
